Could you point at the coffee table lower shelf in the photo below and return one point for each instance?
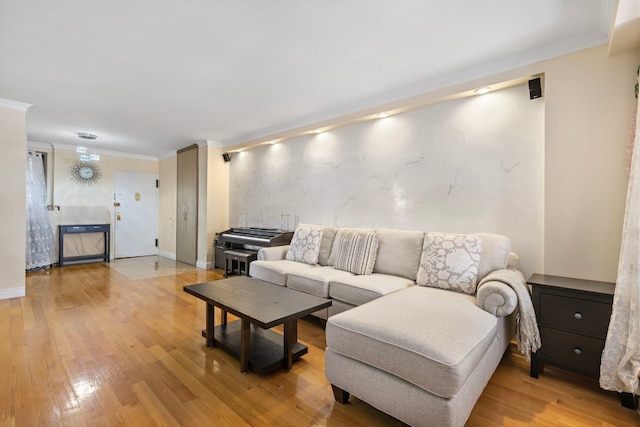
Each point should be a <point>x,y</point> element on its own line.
<point>267,349</point>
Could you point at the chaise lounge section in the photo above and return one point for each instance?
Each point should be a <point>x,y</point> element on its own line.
<point>422,355</point>
<point>419,321</point>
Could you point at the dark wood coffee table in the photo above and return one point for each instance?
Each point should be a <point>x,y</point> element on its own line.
<point>259,304</point>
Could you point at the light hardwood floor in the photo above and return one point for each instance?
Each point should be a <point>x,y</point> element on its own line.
<point>97,345</point>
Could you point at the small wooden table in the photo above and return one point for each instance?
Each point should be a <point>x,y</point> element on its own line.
<point>64,230</point>
<point>573,318</point>
<point>259,304</point>
<point>242,257</point>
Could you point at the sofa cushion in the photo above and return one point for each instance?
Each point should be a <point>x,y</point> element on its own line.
<point>276,271</point>
<point>450,261</point>
<point>496,250</point>
<point>358,290</point>
<point>430,337</point>
<point>338,306</point>
<point>305,244</point>
<point>315,281</point>
<point>334,247</point>
<point>328,234</point>
<point>356,251</point>
<point>399,252</point>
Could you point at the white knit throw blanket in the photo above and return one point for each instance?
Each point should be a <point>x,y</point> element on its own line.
<point>527,332</point>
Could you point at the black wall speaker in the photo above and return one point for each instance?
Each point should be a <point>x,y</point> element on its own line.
<point>535,88</point>
<point>226,157</point>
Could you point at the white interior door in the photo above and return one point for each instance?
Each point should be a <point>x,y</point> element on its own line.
<point>136,214</point>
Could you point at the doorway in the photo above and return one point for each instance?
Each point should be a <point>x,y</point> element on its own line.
<point>135,214</point>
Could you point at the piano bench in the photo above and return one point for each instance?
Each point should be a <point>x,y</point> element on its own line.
<point>242,257</point>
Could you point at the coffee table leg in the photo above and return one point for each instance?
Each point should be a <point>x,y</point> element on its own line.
<point>210,326</point>
<point>290,339</point>
<point>245,345</point>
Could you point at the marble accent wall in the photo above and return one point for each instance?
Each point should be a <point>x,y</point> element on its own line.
<point>474,164</point>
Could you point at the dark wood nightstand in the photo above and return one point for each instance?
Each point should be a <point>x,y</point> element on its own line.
<point>573,317</point>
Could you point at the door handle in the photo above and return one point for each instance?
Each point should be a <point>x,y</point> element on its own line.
<point>185,210</point>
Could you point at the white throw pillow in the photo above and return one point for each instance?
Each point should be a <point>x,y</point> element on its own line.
<point>305,244</point>
<point>356,250</point>
<point>450,261</point>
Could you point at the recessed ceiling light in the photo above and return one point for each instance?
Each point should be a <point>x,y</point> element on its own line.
<point>483,90</point>
<point>318,130</point>
<point>85,135</point>
<point>383,115</point>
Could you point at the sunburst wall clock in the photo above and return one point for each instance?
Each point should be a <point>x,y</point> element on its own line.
<point>85,173</point>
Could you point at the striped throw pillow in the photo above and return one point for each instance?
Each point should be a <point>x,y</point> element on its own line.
<point>356,250</point>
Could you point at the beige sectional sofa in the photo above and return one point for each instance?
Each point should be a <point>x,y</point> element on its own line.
<point>415,336</point>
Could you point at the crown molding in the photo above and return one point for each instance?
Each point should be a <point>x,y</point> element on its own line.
<point>39,145</point>
<point>209,143</point>
<point>68,147</point>
<point>167,155</point>
<point>212,143</point>
<point>14,105</point>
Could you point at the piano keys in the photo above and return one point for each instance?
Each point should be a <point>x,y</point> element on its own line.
<point>256,236</point>
<point>248,238</point>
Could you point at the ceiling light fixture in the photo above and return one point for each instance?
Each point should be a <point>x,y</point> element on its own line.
<point>85,135</point>
<point>85,154</point>
<point>383,115</point>
<point>318,131</point>
<point>483,90</point>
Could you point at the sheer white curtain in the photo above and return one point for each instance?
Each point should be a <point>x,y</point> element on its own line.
<point>620,365</point>
<point>40,249</point>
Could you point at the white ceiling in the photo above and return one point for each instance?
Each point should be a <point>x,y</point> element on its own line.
<point>149,77</point>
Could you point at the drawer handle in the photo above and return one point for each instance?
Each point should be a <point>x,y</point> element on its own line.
<point>577,351</point>
<point>577,315</point>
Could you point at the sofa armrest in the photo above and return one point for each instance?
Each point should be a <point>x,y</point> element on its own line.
<point>497,298</point>
<point>273,253</point>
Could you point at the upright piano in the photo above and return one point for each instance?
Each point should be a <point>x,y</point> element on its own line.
<point>251,238</point>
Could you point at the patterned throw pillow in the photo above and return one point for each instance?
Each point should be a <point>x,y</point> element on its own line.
<point>305,244</point>
<point>356,251</point>
<point>450,261</point>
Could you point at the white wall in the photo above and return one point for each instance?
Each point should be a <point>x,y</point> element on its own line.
<point>474,164</point>
<point>589,111</point>
<point>67,192</point>
<point>13,164</point>
<point>589,106</point>
<point>217,199</point>
<point>167,194</point>
<point>213,202</point>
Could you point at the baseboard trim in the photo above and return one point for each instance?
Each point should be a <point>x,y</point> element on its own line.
<point>12,293</point>
<point>167,255</point>
<point>205,265</point>
<point>199,264</point>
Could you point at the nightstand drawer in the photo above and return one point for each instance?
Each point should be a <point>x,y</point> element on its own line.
<point>569,350</point>
<point>575,315</point>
